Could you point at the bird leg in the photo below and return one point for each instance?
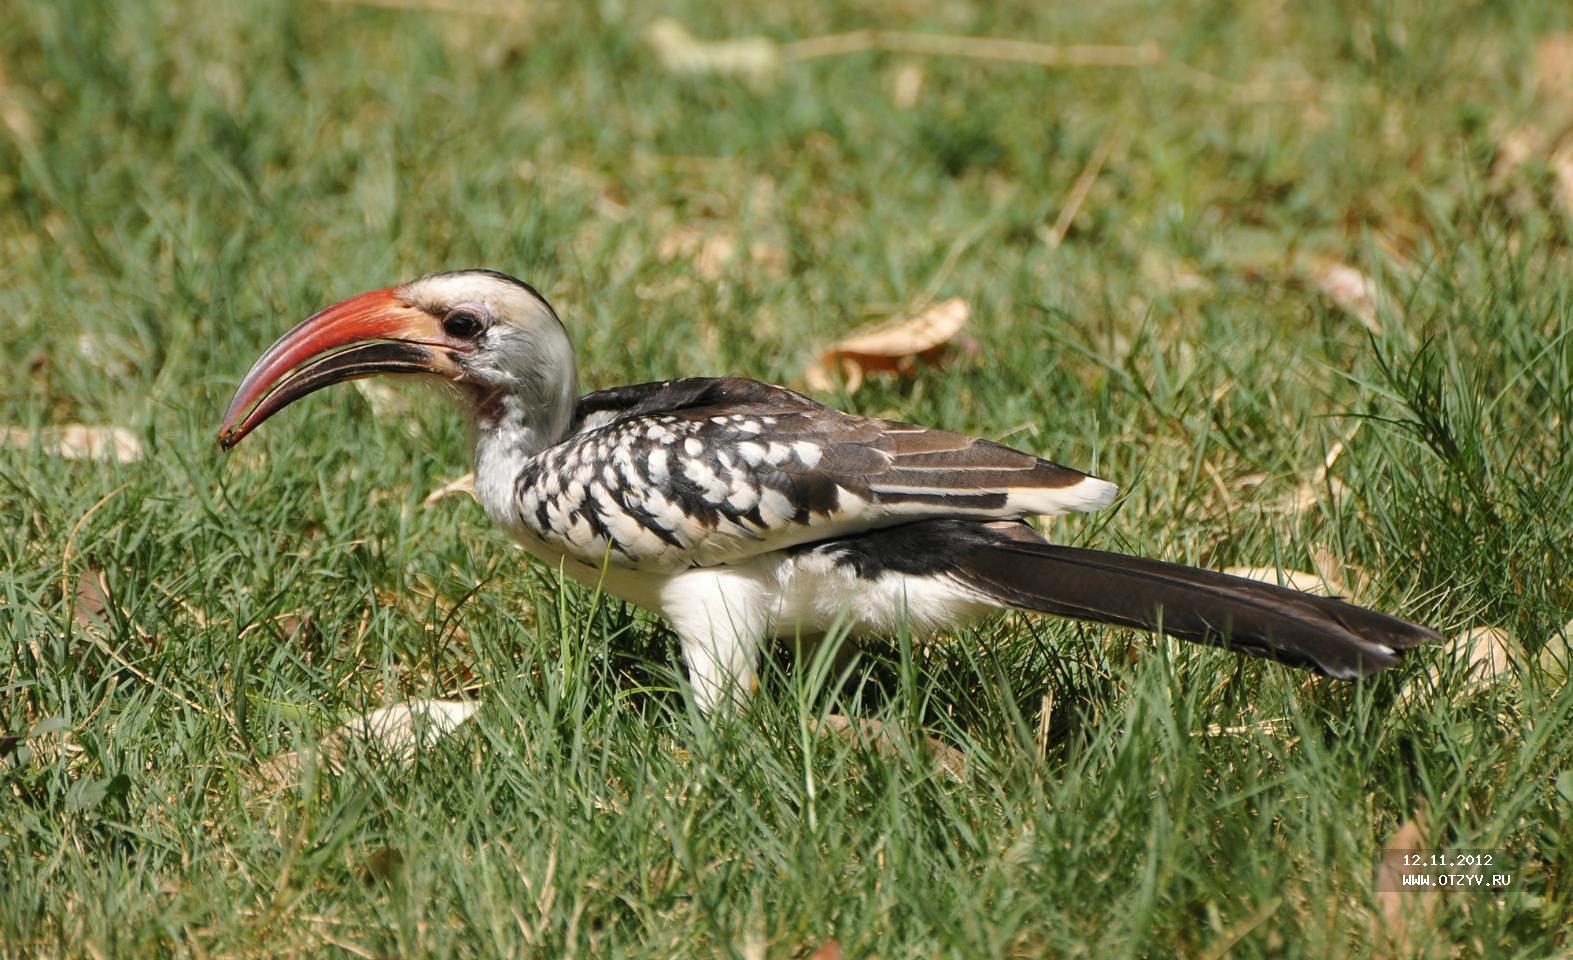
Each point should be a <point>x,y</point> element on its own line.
<point>720,615</point>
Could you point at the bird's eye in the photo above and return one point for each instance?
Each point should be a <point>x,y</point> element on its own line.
<point>463,322</point>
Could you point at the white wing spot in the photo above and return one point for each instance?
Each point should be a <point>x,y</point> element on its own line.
<point>807,452</point>
<point>693,447</point>
<point>700,472</point>
<point>774,507</point>
<point>656,464</point>
<point>744,495</point>
<point>752,453</point>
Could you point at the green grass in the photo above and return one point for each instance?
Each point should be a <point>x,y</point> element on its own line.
<point>181,182</point>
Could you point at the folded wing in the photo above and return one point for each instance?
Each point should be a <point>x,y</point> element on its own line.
<point>706,471</point>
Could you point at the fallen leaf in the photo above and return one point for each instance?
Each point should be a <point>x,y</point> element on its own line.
<point>891,347</point>
<point>295,627</point>
<point>92,605</point>
<point>1480,657</point>
<point>1225,943</point>
<point>1554,68</point>
<point>681,52</point>
<point>384,864</point>
<point>906,86</point>
<point>829,950</point>
<point>77,442</point>
<point>395,732</point>
<point>1309,493</point>
<point>1399,912</point>
<point>1171,274</point>
<point>1556,655</point>
<point>1351,579</point>
<point>713,252</point>
<point>91,609</point>
<point>872,733</point>
<point>387,402</point>
<point>1293,579</point>
<point>453,488</point>
<point>14,115</point>
<point>1487,655</point>
<point>1514,149</point>
<point>1561,164</point>
<point>1347,287</point>
<point>1564,784</point>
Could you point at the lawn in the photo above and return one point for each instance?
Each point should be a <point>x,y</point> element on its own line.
<point>1299,277</point>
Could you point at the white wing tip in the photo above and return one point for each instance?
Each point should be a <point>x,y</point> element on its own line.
<point>1084,496</point>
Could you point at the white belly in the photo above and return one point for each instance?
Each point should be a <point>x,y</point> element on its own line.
<point>813,594</point>
<point>803,593</point>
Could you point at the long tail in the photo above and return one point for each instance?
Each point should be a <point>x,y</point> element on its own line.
<point>1010,563</point>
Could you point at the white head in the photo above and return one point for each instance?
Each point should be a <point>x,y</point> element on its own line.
<point>493,337</point>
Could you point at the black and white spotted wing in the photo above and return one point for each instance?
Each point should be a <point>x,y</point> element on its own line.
<point>705,471</point>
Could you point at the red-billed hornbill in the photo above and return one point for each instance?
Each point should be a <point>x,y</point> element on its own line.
<point>741,511</point>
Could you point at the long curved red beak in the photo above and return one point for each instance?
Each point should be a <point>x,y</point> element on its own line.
<point>376,332</point>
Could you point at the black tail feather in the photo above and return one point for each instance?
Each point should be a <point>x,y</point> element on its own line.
<point>1011,564</point>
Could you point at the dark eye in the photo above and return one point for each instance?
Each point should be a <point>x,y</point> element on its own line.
<point>463,322</point>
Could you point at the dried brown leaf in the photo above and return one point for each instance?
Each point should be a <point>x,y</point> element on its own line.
<point>1514,149</point>
<point>681,52</point>
<point>1350,289</point>
<point>1293,579</point>
<point>385,864</point>
<point>92,600</point>
<point>387,402</point>
<point>77,442</point>
<point>1309,493</point>
<point>14,116</point>
<point>906,86</point>
<point>1225,943</point>
<point>1556,655</point>
<point>1554,68</point>
<point>891,347</point>
<point>295,627</point>
<point>453,488</point>
<point>395,732</point>
<point>1488,654</point>
<point>713,252</point>
<point>1400,913</point>
<point>1481,656</point>
<point>1561,164</point>
<point>93,606</point>
<point>871,732</point>
<point>1336,573</point>
<point>829,950</point>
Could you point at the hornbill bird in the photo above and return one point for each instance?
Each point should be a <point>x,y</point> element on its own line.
<point>740,511</point>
